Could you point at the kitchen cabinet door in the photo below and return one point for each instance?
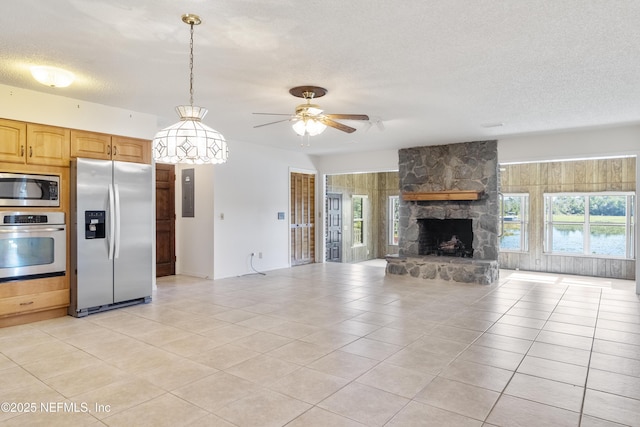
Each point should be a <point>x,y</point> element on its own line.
<point>90,145</point>
<point>13,141</point>
<point>48,145</point>
<point>133,150</point>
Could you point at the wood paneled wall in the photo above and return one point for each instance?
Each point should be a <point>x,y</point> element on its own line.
<point>377,187</point>
<point>536,179</point>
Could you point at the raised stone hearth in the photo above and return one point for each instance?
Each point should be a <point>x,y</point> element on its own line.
<point>432,267</point>
<point>448,186</point>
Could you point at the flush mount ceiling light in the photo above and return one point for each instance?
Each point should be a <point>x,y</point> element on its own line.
<point>190,141</point>
<point>52,76</point>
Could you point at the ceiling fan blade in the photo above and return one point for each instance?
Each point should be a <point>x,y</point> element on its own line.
<point>272,114</point>
<point>272,123</point>
<point>327,121</point>
<point>348,116</point>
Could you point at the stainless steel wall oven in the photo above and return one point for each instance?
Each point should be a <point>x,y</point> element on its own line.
<point>32,245</point>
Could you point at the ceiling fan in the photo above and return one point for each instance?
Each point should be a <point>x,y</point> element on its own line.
<point>309,119</point>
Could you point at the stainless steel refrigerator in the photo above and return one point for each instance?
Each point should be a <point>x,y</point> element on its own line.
<point>112,235</point>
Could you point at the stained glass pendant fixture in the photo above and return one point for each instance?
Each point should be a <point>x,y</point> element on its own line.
<point>190,141</point>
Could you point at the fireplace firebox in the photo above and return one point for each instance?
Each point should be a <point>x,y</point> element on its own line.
<point>446,237</point>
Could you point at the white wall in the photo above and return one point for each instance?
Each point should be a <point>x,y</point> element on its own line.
<point>249,191</point>
<point>596,142</point>
<point>370,161</point>
<point>567,145</point>
<point>55,110</point>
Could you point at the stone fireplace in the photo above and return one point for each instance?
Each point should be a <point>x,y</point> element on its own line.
<point>448,213</point>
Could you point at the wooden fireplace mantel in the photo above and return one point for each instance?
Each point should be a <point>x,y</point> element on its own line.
<point>442,195</point>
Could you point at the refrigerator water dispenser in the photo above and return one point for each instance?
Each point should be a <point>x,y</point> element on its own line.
<point>94,224</point>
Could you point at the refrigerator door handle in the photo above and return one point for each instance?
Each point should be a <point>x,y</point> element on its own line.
<point>112,221</point>
<point>117,239</point>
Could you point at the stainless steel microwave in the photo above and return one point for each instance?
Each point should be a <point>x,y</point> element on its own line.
<point>17,189</point>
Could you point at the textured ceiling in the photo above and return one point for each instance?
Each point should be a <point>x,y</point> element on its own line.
<point>430,71</point>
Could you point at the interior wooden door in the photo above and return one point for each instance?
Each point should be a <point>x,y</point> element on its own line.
<point>302,216</point>
<point>165,220</point>
<point>333,228</point>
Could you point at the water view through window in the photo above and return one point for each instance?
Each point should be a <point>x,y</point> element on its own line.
<point>598,224</point>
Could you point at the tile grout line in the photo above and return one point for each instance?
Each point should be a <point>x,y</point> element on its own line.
<point>593,340</point>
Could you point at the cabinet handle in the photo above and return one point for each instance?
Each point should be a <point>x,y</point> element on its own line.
<point>26,303</point>
<point>108,150</point>
<point>115,150</point>
<point>22,151</point>
<point>31,151</point>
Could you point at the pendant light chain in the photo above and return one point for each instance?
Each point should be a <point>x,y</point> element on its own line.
<point>191,67</point>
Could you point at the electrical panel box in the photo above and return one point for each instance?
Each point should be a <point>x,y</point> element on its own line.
<point>188,193</point>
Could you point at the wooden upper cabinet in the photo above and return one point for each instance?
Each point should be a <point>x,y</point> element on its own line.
<point>94,145</point>
<point>13,141</point>
<point>47,145</point>
<point>90,145</point>
<point>131,149</point>
<point>35,144</point>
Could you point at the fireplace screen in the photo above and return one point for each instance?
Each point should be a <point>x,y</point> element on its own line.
<point>446,237</point>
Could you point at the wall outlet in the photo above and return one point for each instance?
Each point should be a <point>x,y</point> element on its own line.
<point>260,255</point>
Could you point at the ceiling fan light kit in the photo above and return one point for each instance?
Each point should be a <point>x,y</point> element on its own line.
<point>190,141</point>
<point>309,119</point>
<point>309,126</point>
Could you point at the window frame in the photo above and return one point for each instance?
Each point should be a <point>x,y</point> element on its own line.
<point>587,223</point>
<point>394,221</point>
<point>360,220</point>
<point>523,221</point>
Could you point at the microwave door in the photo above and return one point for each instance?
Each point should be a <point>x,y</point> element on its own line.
<point>28,190</point>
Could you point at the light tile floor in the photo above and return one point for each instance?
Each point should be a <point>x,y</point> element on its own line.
<point>336,345</point>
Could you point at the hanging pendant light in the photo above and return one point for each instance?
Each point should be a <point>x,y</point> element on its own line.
<point>190,140</point>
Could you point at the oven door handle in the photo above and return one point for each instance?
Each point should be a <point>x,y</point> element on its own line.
<point>31,230</point>
<point>112,221</point>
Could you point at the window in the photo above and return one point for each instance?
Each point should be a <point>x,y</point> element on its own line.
<point>358,220</point>
<point>514,219</point>
<point>394,219</point>
<point>598,224</point>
